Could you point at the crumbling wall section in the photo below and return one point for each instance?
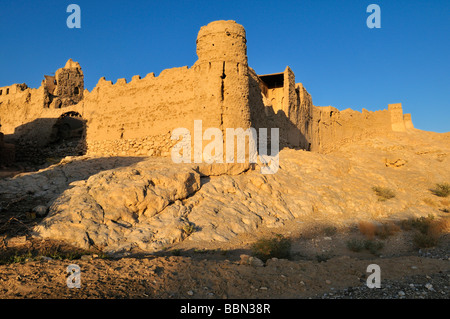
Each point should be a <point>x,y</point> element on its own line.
<point>65,88</point>
<point>304,118</point>
<point>408,121</point>
<point>332,128</point>
<point>397,121</point>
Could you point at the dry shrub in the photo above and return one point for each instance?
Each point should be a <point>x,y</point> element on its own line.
<point>441,190</point>
<point>373,246</point>
<point>383,193</point>
<point>428,230</point>
<point>386,230</point>
<point>441,226</point>
<point>383,231</point>
<point>368,229</point>
<point>355,245</point>
<point>358,245</point>
<point>330,230</point>
<point>421,240</point>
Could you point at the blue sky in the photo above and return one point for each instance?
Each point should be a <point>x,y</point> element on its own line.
<point>327,44</point>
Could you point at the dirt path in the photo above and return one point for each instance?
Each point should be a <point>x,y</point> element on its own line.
<point>187,277</point>
<point>319,266</point>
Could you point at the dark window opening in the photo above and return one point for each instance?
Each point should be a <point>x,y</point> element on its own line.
<point>1,92</point>
<point>76,91</point>
<point>7,91</point>
<point>273,81</point>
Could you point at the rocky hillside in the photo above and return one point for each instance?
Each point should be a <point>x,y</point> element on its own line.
<point>146,204</point>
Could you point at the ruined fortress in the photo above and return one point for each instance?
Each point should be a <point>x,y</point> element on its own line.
<point>221,89</point>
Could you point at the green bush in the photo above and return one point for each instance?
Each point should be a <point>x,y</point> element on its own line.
<point>358,245</point>
<point>189,229</point>
<point>266,248</point>
<point>373,246</point>
<point>426,240</point>
<point>355,245</point>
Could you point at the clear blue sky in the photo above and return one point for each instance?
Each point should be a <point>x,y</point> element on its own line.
<point>326,43</point>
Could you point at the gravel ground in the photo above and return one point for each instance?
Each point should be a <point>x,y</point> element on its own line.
<point>436,286</point>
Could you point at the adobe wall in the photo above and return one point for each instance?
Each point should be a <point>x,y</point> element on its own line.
<point>24,117</point>
<point>286,108</point>
<point>408,121</point>
<point>67,88</point>
<point>137,118</point>
<point>7,152</point>
<point>332,128</point>
<point>303,125</point>
<point>398,123</point>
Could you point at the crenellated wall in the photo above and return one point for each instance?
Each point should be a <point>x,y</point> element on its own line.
<point>332,128</point>
<point>137,118</point>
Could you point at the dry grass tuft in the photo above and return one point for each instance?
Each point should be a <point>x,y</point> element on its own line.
<point>386,230</point>
<point>441,190</point>
<point>383,231</point>
<point>383,193</point>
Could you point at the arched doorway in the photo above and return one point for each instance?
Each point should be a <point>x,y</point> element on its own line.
<point>69,134</point>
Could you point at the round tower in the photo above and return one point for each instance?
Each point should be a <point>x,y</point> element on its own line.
<point>223,70</point>
<point>222,41</point>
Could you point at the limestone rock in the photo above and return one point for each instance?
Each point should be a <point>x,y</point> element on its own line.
<point>121,204</point>
<point>40,210</point>
<point>255,262</point>
<point>394,163</point>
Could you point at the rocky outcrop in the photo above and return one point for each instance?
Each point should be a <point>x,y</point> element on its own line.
<point>145,204</point>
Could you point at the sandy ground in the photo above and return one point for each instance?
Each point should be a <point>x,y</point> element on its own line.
<point>318,265</point>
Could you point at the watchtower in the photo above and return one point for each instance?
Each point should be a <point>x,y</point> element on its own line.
<point>222,61</point>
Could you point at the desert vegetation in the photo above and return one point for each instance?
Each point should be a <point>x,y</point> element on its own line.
<point>383,193</point>
<point>441,190</point>
<point>277,246</point>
